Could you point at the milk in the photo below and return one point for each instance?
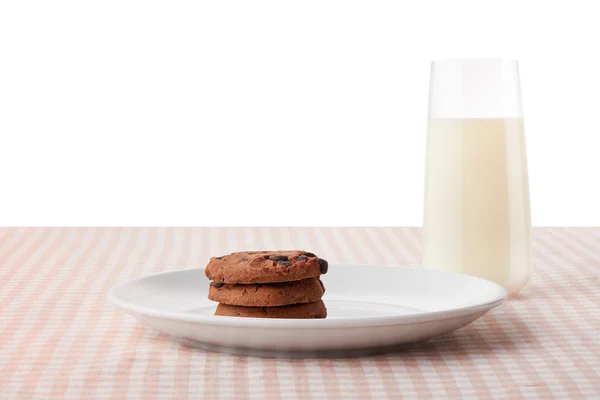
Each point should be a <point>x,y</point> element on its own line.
<point>477,215</point>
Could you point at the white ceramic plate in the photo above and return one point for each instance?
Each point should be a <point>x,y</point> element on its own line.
<point>371,309</point>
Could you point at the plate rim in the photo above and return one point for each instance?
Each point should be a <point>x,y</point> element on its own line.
<point>240,322</point>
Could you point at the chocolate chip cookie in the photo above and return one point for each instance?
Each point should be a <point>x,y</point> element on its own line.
<point>267,294</point>
<point>265,267</point>
<point>297,311</point>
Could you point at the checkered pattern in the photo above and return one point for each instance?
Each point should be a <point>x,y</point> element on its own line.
<point>59,338</point>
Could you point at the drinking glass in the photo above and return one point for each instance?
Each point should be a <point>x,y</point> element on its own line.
<point>477,215</point>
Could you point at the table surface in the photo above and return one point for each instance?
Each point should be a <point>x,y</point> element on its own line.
<point>59,338</point>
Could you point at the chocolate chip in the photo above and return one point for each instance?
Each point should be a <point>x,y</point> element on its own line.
<point>218,284</point>
<point>243,259</point>
<point>278,258</point>
<point>307,254</point>
<point>209,278</point>
<point>284,263</point>
<point>324,265</point>
<point>219,258</point>
<point>301,258</point>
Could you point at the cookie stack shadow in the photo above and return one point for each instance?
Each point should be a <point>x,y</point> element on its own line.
<point>268,284</point>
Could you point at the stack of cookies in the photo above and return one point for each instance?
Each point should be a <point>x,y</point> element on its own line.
<point>268,284</point>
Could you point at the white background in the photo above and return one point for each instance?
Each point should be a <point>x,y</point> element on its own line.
<point>274,112</point>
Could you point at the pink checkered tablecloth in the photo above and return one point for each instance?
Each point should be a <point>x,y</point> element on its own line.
<point>60,339</point>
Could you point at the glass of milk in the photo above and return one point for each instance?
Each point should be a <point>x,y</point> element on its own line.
<point>477,216</point>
